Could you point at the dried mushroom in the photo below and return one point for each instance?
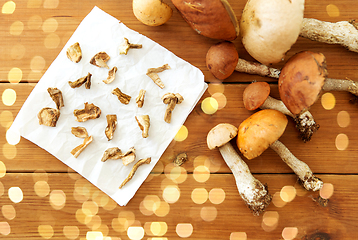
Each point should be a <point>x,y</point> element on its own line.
<point>171,99</point>
<point>56,96</point>
<point>111,75</point>
<point>48,116</point>
<point>180,159</point>
<point>128,157</point>
<point>100,60</point>
<point>153,74</point>
<point>143,123</point>
<point>122,97</point>
<point>79,132</point>
<point>83,80</point>
<point>112,153</point>
<point>77,150</point>
<point>134,169</point>
<point>89,112</point>
<point>111,126</point>
<point>74,52</point>
<point>126,45</point>
<point>140,99</point>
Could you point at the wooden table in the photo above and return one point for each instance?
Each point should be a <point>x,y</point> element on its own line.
<point>41,198</point>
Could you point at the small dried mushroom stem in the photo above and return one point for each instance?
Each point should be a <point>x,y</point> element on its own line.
<point>134,169</point>
<point>111,126</point>
<point>251,190</point>
<point>301,169</point>
<point>256,68</point>
<point>140,99</point>
<point>344,33</point>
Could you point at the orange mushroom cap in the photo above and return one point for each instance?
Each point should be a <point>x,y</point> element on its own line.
<point>255,95</point>
<point>259,131</point>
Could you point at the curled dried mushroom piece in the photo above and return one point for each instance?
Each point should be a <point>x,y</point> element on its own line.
<point>153,74</point>
<point>79,132</point>
<point>140,99</point>
<point>100,60</point>
<point>74,52</point>
<point>111,126</point>
<point>126,45</point>
<point>171,99</point>
<point>77,150</point>
<point>112,153</point>
<point>89,112</point>
<point>144,124</point>
<point>128,157</point>
<point>56,96</point>
<point>83,80</point>
<point>134,169</point>
<point>122,97</point>
<point>111,75</point>
<point>48,116</point>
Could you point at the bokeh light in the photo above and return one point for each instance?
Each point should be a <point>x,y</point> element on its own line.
<point>201,174</point>
<point>52,41</point>
<point>184,230</point>
<point>5,228</point>
<point>37,63</point>
<point>221,99</point>
<point>9,151</point>
<point>342,141</point>
<point>332,10</point>
<point>208,214</point>
<point>182,134</point>
<point>9,97</point>
<point>16,28</point>
<point>289,233</point>
<point>199,195</point>
<point>217,195</point>
<point>238,236</point>
<point>158,228</point>
<point>45,231</point>
<point>94,235</point>
<point>42,189</point>
<point>2,169</point>
<point>71,232</point>
<point>216,88</point>
<point>209,105</point>
<point>57,199</point>
<point>15,194</point>
<point>270,221</point>
<point>343,119</point>
<point>51,4</point>
<point>326,191</point>
<point>328,101</point>
<point>163,209</point>
<point>288,193</point>
<point>50,25</point>
<point>8,211</point>
<point>135,233</point>
<point>171,193</point>
<point>90,208</point>
<point>277,200</point>
<point>17,52</point>
<point>34,22</point>
<point>15,75</point>
<point>6,119</point>
<point>8,7</point>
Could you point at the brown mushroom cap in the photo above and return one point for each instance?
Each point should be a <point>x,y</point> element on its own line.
<point>220,135</point>
<point>255,95</point>
<point>301,80</point>
<point>210,18</point>
<point>221,59</point>
<point>259,131</point>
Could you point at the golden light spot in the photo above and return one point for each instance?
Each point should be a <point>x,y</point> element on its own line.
<point>177,174</point>
<point>111,205</point>
<point>5,228</point>
<point>217,195</point>
<point>82,217</point>
<point>100,198</point>
<point>71,232</point>
<point>104,229</point>
<point>9,97</point>
<point>127,218</point>
<point>119,225</point>
<point>51,3</point>
<point>238,236</point>
<point>8,7</point>
<point>184,230</point>
<point>326,191</point>
<point>200,160</point>
<point>37,64</point>
<point>1,189</point>
<point>40,175</point>
<point>166,182</point>
<point>270,220</point>
<point>201,174</point>
<point>90,208</point>
<point>343,119</point>
<point>171,194</point>
<point>135,233</point>
<point>15,75</point>
<point>2,170</point>
<point>6,118</point>
<point>9,151</point>
<point>342,141</point>
<point>182,134</point>
<point>45,231</point>
<point>216,88</point>
<point>42,189</point>
<point>151,202</point>
<point>93,235</point>
<point>95,223</point>
<point>163,209</point>
<point>209,105</point>
<point>208,214</point>
<point>82,190</point>
<point>277,200</point>
<point>144,210</point>
<point>332,10</point>
<point>52,41</point>
<point>288,193</point>
<point>34,3</point>
<point>213,164</point>
<point>328,101</point>
<point>221,99</point>
<point>12,137</point>
<point>289,233</point>
<point>158,228</point>
<point>16,28</point>
<point>8,211</point>
<point>34,22</point>
<point>199,195</point>
<point>57,199</point>
<point>50,25</point>
<point>17,52</point>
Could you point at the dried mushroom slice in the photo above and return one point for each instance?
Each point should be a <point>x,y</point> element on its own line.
<point>171,99</point>
<point>79,82</point>
<point>56,96</point>
<point>48,116</point>
<point>144,124</point>
<point>100,60</point>
<point>134,169</point>
<point>79,132</point>
<point>111,75</point>
<point>153,74</point>
<point>111,153</point>
<point>74,52</point>
<point>140,99</point>
<point>89,112</point>
<point>128,157</point>
<point>77,150</point>
<point>111,126</point>
<point>126,45</point>
<point>180,159</point>
<point>122,97</point>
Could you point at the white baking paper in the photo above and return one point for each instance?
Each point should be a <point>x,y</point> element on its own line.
<point>101,32</point>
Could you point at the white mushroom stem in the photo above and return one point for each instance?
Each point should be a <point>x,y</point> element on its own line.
<point>344,33</point>
<point>305,122</point>
<point>348,85</point>
<point>301,169</point>
<point>251,190</point>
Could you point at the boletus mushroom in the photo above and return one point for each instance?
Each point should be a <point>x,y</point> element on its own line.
<point>257,95</point>
<point>210,18</point>
<point>251,190</point>
<point>152,12</point>
<point>262,130</point>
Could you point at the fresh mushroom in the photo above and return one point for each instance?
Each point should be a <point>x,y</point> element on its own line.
<point>151,12</point>
<point>251,190</point>
<point>262,130</point>
<point>171,99</point>
<point>256,95</point>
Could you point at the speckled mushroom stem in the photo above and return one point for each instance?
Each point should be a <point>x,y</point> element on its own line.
<point>256,68</point>
<point>305,122</point>
<point>344,33</point>
<point>331,84</point>
<point>302,170</point>
<point>251,190</point>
